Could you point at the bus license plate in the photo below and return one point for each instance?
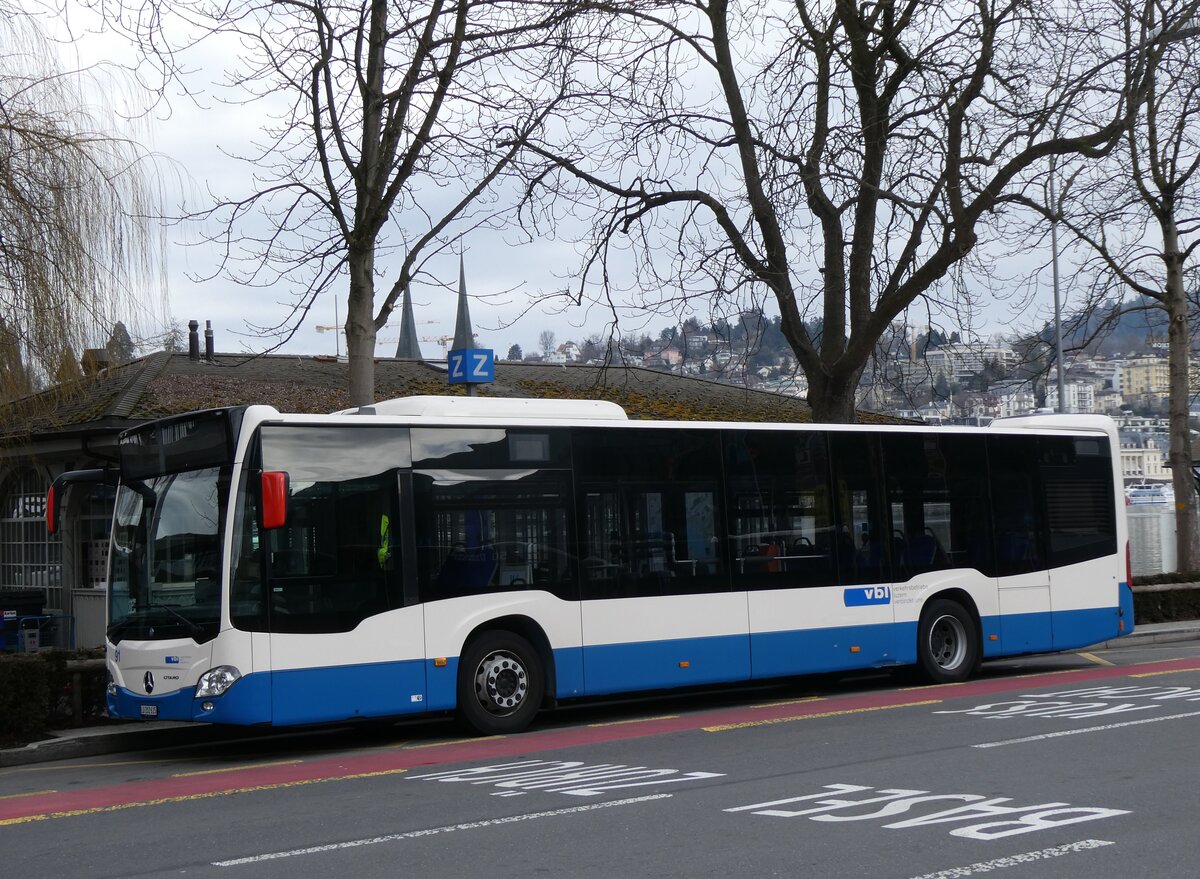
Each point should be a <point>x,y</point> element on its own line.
<point>149,711</point>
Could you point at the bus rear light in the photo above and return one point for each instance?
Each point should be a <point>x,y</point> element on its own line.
<point>1128,565</point>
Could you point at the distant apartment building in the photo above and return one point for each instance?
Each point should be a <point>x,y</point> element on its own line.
<point>959,361</point>
<point>1109,401</point>
<point>1147,377</point>
<point>1078,397</point>
<point>1143,458</point>
<point>662,357</point>
<point>1013,398</point>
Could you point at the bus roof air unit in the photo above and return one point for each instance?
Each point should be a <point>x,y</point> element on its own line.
<point>439,407</point>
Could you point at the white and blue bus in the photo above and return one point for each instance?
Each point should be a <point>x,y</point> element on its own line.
<point>496,556</point>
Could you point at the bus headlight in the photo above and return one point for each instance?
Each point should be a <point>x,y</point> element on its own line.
<point>216,681</point>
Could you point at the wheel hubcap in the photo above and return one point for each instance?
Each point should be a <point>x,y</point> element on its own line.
<point>501,683</point>
<point>948,642</point>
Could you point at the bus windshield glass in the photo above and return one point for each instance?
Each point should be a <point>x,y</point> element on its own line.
<point>165,564</point>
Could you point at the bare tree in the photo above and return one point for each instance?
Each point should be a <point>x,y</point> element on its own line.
<point>841,158</point>
<point>546,341</point>
<point>1138,215</point>
<point>387,126</point>
<point>79,246</point>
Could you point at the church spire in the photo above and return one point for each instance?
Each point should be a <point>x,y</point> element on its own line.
<point>464,337</point>
<point>408,348</point>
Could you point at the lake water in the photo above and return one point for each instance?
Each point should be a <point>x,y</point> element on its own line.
<point>1151,538</point>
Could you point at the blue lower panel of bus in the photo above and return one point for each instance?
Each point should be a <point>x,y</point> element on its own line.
<point>1081,628</point>
<point>299,696</point>
<point>246,702</point>
<point>653,665</point>
<point>320,695</point>
<point>809,651</point>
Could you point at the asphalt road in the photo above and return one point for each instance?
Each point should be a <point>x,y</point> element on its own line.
<point>1067,765</point>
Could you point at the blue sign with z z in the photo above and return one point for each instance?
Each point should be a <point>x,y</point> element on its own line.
<point>471,366</point>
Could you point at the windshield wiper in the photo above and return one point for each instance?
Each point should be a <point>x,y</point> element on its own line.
<point>193,628</point>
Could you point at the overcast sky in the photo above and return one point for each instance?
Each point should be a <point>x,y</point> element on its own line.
<point>503,276</point>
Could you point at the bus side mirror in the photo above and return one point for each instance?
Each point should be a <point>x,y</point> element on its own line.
<point>58,490</point>
<point>274,499</point>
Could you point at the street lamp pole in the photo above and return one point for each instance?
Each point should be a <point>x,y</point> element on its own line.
<point>1058,345</point>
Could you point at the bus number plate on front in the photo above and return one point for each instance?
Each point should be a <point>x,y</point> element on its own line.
<point>149,711</point>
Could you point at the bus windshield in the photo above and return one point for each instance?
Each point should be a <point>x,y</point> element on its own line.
<point>166,551</point>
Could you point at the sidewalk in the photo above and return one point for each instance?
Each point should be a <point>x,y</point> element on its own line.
<point>148,735</point>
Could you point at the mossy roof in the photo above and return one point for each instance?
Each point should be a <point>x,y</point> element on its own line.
<point>165,384</point>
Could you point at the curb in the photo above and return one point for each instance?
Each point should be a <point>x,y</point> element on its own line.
<point>1156,633</point>
<point>89,742</point>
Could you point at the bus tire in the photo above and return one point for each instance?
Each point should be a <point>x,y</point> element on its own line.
<point>500,683</point>
<point>947,642</point>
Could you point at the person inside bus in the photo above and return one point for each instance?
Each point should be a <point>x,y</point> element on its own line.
<point>870,556</point>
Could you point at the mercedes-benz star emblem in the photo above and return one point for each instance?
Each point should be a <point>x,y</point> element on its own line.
<point>149,681</point>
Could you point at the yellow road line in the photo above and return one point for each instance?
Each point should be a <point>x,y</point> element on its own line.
<point>774,720</point>
<point>932,686</point>
<point>451,742</point>
<point>58,767</point>
<point>26,819</point>
<point>1092,657</point>
<point>789,702</point>
<point>1170,671</point>
<point>235,768</point>
<point>30,794</point>
<point>635,720</point>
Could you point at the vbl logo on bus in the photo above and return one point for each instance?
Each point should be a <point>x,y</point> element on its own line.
<point>860,596</point>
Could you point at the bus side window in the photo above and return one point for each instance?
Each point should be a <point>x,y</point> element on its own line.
<point>780,509</point>
<point>336,562</point>
<point>1016,509</point>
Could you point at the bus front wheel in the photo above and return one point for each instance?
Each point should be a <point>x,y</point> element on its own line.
<point>500,683</point>
<point>947,642</point>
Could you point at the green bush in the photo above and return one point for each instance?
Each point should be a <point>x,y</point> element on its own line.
<point>1173,577</point>
<point>37,694</point>
<point>1170,605</point>
<point>24,698</point>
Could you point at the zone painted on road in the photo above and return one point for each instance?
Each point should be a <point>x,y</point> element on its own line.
<point>182,788</point>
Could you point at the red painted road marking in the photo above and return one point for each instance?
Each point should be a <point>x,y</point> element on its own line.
<point>177,789</point>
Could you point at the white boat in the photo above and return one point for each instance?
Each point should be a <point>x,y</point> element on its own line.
<point>1149,493</point>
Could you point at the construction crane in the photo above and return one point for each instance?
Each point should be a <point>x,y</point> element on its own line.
<point>379,340</point>
<point>444,341</point>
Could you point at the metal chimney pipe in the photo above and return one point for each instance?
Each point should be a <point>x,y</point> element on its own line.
<point>208,341</point>
<point>193,340</point>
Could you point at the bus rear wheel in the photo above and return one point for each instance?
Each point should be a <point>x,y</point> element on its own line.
<point>500,683</point>
<point>947,642</point>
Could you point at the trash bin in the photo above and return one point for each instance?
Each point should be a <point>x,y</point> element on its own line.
<point>15,604</point>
